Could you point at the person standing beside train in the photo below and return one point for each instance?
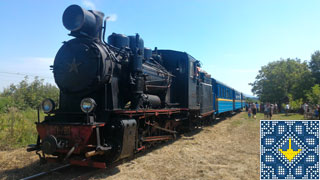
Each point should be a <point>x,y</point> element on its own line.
<point>316,112</point>
<point>261,107</point>
<point>266,111</point>
<point>287,109</point>
<point>254,110</point>
<point>305,110</point>
<point>271,110</point>
<point>249,111</point>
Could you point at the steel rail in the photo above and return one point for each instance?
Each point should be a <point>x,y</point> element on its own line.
<point>47,172</point>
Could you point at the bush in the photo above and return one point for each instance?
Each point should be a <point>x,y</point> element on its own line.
<point>295,105</point>
<point>5,103</point>
<point>28,95</point>
<point>314,94</point>
<point>17,128</point>
<point>18,104</point>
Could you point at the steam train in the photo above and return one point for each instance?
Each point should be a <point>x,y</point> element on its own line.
<point>119,98</point>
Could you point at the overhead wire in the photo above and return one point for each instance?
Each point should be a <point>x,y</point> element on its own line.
<point>24,74</point>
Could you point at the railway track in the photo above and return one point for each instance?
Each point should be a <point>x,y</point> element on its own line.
<point>79,174</point>
<point>46,172</point>
<point>83,173</point>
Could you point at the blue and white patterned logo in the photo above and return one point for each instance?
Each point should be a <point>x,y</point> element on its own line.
<point>289,149</point>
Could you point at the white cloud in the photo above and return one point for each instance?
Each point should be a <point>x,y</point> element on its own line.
<point>112,17</point>
<point>89,4</point>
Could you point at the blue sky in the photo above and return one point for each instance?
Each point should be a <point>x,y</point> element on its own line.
<point>231,38</point>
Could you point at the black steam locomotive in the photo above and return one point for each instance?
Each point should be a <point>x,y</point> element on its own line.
<point>118,98</point>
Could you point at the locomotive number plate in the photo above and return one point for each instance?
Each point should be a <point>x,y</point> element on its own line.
<point>63,130</point>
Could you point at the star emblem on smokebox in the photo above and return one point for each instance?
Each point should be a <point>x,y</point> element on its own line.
<point>74,66</point>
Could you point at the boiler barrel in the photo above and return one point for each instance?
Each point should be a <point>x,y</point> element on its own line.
<point>157,81</point>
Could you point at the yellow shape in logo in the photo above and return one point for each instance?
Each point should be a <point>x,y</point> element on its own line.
<point>290,153</point>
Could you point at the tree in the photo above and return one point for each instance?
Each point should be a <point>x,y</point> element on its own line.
<point>314,66</point>
<point>278,79</point>
<point>28,95</point>
<point>314,94</point>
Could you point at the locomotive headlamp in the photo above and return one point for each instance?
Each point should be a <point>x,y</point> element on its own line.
<point>48,105</point>
<point>87,105</point>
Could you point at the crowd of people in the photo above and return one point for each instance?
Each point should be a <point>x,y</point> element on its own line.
<point>267,108</point>
<point>309,111</point>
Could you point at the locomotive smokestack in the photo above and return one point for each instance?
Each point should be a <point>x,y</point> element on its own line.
<point>82,22</point>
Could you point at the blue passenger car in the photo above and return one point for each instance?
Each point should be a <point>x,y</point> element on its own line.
<point>237,101</point>
<point>224,98</point>
<point>243,100</point>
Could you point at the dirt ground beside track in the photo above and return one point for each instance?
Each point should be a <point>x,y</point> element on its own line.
<point>227,150</point>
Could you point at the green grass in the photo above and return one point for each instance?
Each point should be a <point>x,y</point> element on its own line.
<point>17,128</point>
<point>280,116</point>
<point>255,123</point>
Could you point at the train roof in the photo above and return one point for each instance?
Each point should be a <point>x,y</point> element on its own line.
<point>219,82</point>
<point>177,52</point>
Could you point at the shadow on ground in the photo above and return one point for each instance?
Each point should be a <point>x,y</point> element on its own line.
<point>76,172</point>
